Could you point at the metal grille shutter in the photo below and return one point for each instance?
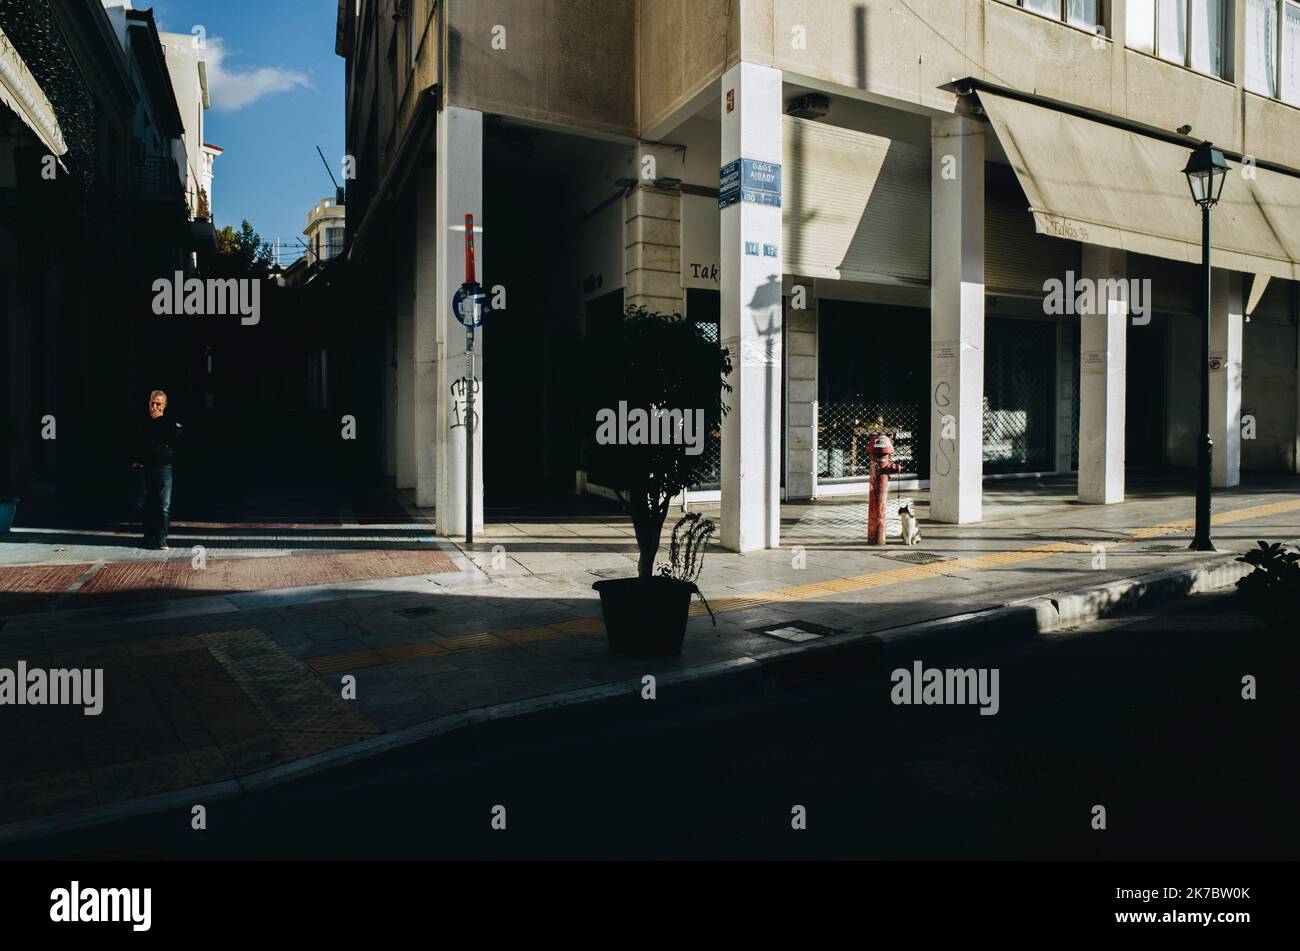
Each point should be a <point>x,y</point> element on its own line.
<point>855,206</point>
<point>1018,260</point>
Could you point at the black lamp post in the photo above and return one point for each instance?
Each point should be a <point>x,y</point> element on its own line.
<point>1206,172</point>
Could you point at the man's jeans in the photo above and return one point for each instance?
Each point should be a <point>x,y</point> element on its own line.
<point>157,503</point>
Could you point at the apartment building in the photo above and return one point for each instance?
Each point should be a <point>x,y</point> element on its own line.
<point>881,209</point>
<point>92,210</point>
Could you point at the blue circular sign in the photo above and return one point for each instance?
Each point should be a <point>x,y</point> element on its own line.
<point>470,304</point>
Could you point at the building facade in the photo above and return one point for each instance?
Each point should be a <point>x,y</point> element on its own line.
<point>93,209</point>
<point>968,218</point>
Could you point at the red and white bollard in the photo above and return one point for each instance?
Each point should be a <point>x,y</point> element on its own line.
<point>882,450</point>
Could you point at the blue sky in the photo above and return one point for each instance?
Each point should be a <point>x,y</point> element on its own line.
<point>277,92</point>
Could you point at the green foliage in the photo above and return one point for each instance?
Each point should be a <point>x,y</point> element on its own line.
<point>242,253</point>
<point>1274,585</point>
<point>691,536</point>
<point>686,552</point>
<point>651,361</point>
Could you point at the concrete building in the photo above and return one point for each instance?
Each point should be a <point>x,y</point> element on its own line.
<point>82,105</point>
<point>880,209</point>
<point>325,233</point>
<point>326,223</point>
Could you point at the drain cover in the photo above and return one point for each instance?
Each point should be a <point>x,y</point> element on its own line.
<point>912,557</point>
<point>424,611</point>
<point>794,631</point>
<point>1163,548</point>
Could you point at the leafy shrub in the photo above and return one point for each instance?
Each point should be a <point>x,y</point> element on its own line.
<point>1274,585</point>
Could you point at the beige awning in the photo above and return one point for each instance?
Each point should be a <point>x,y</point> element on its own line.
<point>1100,184</point>
<point>21,93</point>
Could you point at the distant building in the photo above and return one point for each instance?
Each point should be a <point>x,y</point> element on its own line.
<point>325,229</point>
<point>325,232</point>
<point>207,159</point>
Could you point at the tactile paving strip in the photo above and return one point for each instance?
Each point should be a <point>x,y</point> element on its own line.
<point>308,714</point>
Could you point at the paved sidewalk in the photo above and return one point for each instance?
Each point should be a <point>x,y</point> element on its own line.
<point>222,690</point>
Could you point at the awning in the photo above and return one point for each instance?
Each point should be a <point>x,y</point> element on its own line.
<point>1097,183</point>
<point>21,93</point>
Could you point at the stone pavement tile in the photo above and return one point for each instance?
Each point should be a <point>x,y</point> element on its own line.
<point>160,646</point>
<point>306,743</point>
<point>511,662</point>
<point>25,646</point>
<point>46,794</point>
<point>256,752</point>
<point>412,670</point>
<point>398,714</point>
<point>468,689</point>
<point>116,656</point>
<point>41,753</point>
<point>209,764</point>
<point>120,781</point>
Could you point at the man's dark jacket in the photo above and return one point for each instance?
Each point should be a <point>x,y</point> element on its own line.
<point>155,441</point>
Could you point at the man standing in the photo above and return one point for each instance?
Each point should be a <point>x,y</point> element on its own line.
<point>155,449</point>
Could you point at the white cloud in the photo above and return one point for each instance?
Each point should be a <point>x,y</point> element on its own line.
<point>232,88</point>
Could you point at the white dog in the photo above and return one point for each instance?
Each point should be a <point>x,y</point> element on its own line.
<point>911,530</point>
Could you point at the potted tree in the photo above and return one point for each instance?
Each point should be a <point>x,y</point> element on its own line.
<point>656,392</point>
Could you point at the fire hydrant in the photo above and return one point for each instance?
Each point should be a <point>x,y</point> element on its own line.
<point>882,450</point>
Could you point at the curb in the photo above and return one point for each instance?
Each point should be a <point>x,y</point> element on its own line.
<point>1009,623</point>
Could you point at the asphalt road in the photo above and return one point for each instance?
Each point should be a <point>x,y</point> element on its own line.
<point>1143,716</point>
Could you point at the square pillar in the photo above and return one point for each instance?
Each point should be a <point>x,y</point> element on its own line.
<point>405,432</point>
<point>459,191</point>
<point>801,392</point>
<point>1065,364</point>
<point>956,319</point>
<point>1103,352</point>
<point>426,312</point>
<point>751,271</point>
<point>1227,308</point>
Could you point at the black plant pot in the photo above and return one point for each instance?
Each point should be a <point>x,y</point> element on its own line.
<point>645,617</point>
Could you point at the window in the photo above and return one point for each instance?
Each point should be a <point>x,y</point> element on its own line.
<point>1291,53</point>
<point>1187,32</point>
<point>1084,13</point>
<point>1141,22</point>
<point>1273,54</point>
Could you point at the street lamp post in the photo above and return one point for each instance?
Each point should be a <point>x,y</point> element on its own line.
<point>1206,172</point>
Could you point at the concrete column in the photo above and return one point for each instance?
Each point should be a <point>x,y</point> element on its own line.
<point>801,393</point>
<point>653,249</point>
<point>405,432</point>
<point>1102,355</point>
<point>751,309</point>
<point>1227,308</point>
<point>956,319</point>
<point>427,310</point>
<point>459,192</point>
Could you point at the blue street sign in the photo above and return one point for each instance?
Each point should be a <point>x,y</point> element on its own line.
<point>750,181</point>
<point>470,304</point>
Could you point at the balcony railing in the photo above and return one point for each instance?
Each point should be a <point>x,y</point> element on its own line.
<point>156,179</point>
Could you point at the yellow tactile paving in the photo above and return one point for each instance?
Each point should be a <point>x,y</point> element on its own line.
<point>335,663</point>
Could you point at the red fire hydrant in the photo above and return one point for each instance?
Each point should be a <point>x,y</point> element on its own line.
<point>882,450</point>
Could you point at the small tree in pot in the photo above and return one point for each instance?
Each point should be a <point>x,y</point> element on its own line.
<point>656,393</point>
